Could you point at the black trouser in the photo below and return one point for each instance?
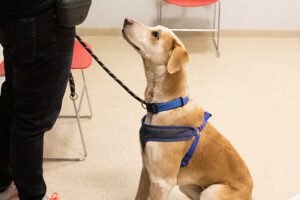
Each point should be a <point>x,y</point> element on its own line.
<point>37,54</point>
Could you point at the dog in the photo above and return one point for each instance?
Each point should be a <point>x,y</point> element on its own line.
<point>215,171</point>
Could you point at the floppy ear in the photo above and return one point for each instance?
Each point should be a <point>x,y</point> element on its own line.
<point>178,58</point>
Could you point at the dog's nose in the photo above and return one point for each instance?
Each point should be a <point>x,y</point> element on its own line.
<point>128,22</point>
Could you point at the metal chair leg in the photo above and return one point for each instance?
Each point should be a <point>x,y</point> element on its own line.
<point>214,21</point>
<point>159,11</point>
<point>87,96</point>
<point>81,98</point>
<point>83,92</point>
<point>84,156</point>
<point>81,134</point>
<point>217,42</point>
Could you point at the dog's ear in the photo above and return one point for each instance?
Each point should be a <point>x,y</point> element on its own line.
<point>178,58</point>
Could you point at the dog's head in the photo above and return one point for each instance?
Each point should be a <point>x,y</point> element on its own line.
<point>157,45</point>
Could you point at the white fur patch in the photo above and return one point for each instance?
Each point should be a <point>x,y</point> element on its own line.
<point>160,70</point>
<point>160,182</point>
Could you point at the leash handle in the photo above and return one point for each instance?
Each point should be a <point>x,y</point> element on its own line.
<point>109,72</point>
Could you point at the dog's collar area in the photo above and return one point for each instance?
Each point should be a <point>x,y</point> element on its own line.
<point>173,134</point>
<point>159,107</point>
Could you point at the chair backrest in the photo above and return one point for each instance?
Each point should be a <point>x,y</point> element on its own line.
<point>2,72</point>
<point>81,58</point>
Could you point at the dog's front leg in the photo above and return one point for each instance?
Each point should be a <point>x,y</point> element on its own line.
<point>144,186</point>
<point>160,189</point>
<point>162,161</point>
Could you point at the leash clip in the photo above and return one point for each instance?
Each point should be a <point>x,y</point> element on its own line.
<point>151,107</point>
<point>144,105</point>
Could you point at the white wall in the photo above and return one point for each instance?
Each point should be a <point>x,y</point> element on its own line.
<point>236,14</point>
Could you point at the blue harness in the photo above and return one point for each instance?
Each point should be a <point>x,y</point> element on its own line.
<point>172,133</point>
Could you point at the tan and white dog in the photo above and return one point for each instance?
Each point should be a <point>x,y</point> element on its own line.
<point>216,171</point>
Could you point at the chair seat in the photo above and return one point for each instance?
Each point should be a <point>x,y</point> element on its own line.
<point>191,3</point>
<point>2,69</point>
<point>81,58</point>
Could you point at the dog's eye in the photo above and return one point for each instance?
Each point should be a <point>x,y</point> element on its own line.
<point>155,34</point>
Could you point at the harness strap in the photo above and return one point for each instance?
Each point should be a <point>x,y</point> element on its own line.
<point>207,115</point>
<point>191,151</point>
<point>159,107</point>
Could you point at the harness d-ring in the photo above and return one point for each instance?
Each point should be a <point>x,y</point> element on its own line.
<point>144,105</point>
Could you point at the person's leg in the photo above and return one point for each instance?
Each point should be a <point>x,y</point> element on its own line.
<point>6,116</point>
<point>42,55</point>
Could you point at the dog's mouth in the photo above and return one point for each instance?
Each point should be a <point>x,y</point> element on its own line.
<point>129,41</point>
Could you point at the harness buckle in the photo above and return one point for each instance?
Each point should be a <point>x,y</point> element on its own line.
<point>151,107</point>
<point>182,102</point>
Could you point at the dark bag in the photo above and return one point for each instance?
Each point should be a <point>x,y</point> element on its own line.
<point>71,13</point>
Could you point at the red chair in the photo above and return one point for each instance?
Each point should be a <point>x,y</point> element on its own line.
<point>198,3</point>
<point>81,60</point>
<point>2,73</point>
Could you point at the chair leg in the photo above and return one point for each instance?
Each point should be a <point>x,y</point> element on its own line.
<point>159,11</point>
<point>217,41</point>
<point>81,98</point>
<point>84,156</point>
<point>214,20</point>
<point>87,96</point>
<point>83,92</point>
<point>81,134</point>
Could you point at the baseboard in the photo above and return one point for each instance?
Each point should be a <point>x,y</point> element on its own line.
<point>115,32</point>
<point>261,33</point>
<point>102,32</point>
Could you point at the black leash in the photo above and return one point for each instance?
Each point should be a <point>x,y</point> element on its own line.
<point>143,102</point>
<point>73,95</point>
